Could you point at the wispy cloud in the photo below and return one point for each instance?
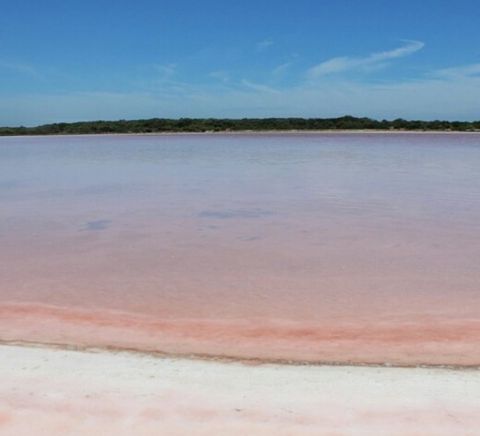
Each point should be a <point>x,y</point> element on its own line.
<point>220,75</point>
<point>280,69</point>
<point>426,98</point>
<point>166,71</point>
<point>19,68</point>
<point>471,70</point>
<point>259,87</point>
<point>346,63</point>
<point>264,45</point>
<point>449,93</point>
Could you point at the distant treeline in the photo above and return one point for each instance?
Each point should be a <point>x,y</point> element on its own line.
<point>158,125</point>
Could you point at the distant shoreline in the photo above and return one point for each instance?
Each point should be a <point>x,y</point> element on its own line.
<point>245,125</point>
<point>262,132</point>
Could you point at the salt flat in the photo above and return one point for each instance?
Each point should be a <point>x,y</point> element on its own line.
<point>61,392</point>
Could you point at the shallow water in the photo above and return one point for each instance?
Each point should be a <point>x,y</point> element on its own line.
<point>318,247</point>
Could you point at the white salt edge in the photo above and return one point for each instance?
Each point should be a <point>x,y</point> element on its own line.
<point>59,392</point>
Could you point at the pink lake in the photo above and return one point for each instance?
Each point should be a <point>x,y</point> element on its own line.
<point>345,248</point>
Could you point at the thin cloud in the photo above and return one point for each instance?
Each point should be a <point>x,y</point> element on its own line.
<point>282,68</point>
<point>265,44</point>
<point>459,71</point>
<point>449,93</point>
<point>19,68</point>
<point>346,63</point>
<point>259,87</point>
<point>427,98</point>
<point>220,75</point>
<point>166,70</point>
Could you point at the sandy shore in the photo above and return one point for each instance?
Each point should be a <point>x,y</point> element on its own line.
<point>51,392</point>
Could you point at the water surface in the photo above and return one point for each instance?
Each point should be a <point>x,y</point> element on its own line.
<point>318,247</point>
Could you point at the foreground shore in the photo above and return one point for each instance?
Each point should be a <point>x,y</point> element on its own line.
<point>52,391</point>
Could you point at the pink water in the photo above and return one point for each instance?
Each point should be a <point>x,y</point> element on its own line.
<point>319,247</point>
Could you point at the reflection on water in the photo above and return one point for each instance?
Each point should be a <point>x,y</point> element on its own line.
<point>97,225</point>
<point>314,228</point>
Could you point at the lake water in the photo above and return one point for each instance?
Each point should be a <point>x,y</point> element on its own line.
<point>332,247</point>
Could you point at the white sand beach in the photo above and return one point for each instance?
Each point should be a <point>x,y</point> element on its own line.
<point>47,391</point>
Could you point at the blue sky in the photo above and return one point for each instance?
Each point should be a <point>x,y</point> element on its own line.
<point>69,60</point>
